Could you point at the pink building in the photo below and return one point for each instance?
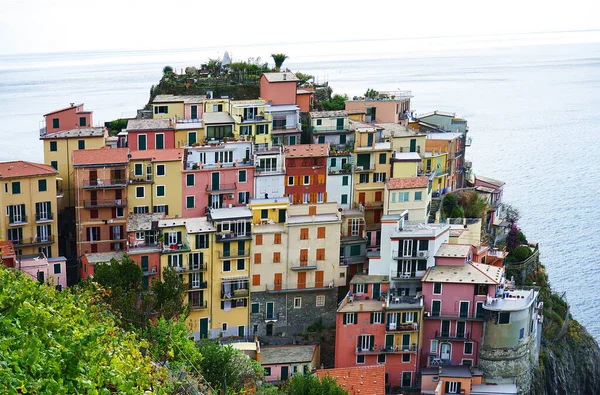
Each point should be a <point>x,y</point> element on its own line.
<point>454,292</point>
<point>72,117</point>
<point>42,269</point>
<point>145,134</point>
<point>281,362</point>
<point>279,88</point>
<point>218,175</point>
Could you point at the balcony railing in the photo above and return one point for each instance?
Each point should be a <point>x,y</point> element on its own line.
<point>406,327</point>
<point>295,287</point>
<point>172,248</point>
<point>198,306</point>
<point>304,265</point>
<point>400,348</point>
<point>260,170</point>
<point>99,203</point>
<point>34,241</point>
<point>193,268</point>
<point>324,129</point>
<point>373,205</point>
<point>363,169</point>
<point>105,183</point>
<point>404,302</point>
<point>44,217</point>
<point>221,187</point>
<point>454,315</point>
<point>149,178</point>
<point>149,272</point>
<point>417,255</point>
<point>352,260</point>
<point>238,293</point>
<point>198,285</point>
<point>232,236</point>
<point>407,276</point>
<point>233,254</point>
<point>17,220</point>
<point>456,337</point>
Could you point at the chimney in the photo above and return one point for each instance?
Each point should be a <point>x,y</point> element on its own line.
<point>284,76</point>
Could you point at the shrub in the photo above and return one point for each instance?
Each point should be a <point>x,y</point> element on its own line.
<point>521,253</point>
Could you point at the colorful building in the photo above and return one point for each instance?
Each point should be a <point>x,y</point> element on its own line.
<point>332,127</point>
<point>282,362</point>
<point>178,107</point>
<point>454,293</point>
<point>143,246</point>
<point>306,173</point>
<point>269,174</point>
<point>155,182</point>
<point>101,179</point>
<point>29,200</point>
<point>412,194</point>
<point>441,380</point>
<point>390,106</point>
<point>252,122</point>
<point>279,88</point>
<point>145,134</point>
<point>353,242</point>
<point>72,117</point>
<point>305,99</point>
<point>340,179</point>
<point>286,124</point>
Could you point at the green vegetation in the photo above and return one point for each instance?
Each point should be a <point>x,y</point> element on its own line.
<point>65,343</point>
<point>116,126</point>
<point>371,94</point>
<point>279,58</point>
<point>337,102</point>
<point>305,79</point>
<point>311,385</point>
<point>167,70</point>
<point>468,204</point>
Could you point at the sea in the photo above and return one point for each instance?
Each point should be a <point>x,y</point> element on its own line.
<point>532,104</point>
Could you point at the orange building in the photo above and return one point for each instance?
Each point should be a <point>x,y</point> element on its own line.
<point>72,117</point>
<point>279,88</point>
<point>358,380</point>
<point>305,98</point>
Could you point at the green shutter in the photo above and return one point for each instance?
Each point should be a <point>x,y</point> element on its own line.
<point>178,237</point>
<point>344,319</point>
<point>189,180</point>
<point>190,202</point>
<point>42,186</point>
<point>142,142</point>
<point>160,141</point>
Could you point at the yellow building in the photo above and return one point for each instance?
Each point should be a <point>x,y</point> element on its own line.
<point>29,199</point>
<point>177,107</point>
<point>435,161</point>
<point>410,193</point>
<point>252,122</point>
<point>230,271</point>
<point>155,182</point>
<point>189,132</point>
<point>58,150</point>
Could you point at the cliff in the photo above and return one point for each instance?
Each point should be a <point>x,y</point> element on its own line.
<point>569,362</point>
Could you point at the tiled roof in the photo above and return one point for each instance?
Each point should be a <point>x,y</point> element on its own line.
<point>469,273</point>
<point>98,131</point>
<point>188,99</point>
<point>369,279</point>
<point>159,155</point>
<point>306,150</point>
<point>138,222</point>
<point>7,249</point>
<point>64,109</point>
<point>328,114</point>
<point>100,156</point>
<point>488,180</point>
<point>104,257</point>
<point>358,380</point>
<point>397,130</point>
<point>304,92</point>
<point>447,250</point>
<point>21,168</point>
<point>270,355</point>
<point>217,117</point>
<point>149,124</point>
<point>407,182</point>
<point>281,77</point>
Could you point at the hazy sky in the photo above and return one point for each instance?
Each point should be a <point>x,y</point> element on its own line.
<point>70,25</point>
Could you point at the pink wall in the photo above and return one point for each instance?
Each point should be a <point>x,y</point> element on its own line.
<point>187,110</point>
<point>387,111</point>
<point>132,139</point>
<point>228,175</point>
<point>32,267</point>
<point>447,261</point>
<point>278,92</point>
<point>68,119</point>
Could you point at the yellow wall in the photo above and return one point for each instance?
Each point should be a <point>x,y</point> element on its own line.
<point>171,181</point>
<point>193,319</point>
<point>405,169</point>
<point>417,209</point>
<point>63,155</point>
<point>208,104</point>
<point>237,112</point>
<point>402,144</point>
<point>329,124</point>
<point>182,136</point>
<point>175,110</point>
<point>30,195</point>
<point>370,188</point>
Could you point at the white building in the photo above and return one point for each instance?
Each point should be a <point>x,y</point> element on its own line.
<point>269,180</point>
<point>340,179</point>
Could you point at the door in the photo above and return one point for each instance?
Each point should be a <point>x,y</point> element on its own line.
<point>241,331</point>
<point>413,145</point>
<point>43,232</point>
<point>278,281</point>
<point>464,309</point>
<point>460,329</point>
<point>226,249</point>
<point>203,328</point>
<point>319,279</point>
<point>269,329</point>
<point>241,248</point>
<point>144,263</point>
<point>191,138</point>
<point>270,311</point>
<point>282,216</point>
<point>378,196</point>
<point>436,306</point>
<point>370,139</point>
<point>93,177</point>
<point>389,342</point>
<point>215,181</point>
<point>406,342</point>
<point>406,379</point>
<point>445,328</point>
<point>376,291</point>
<point>361,198</point>
<point>304,257</point>
<point>194,112</point>
<point>301,280</point>
<point>445,350</point>
<point>285,370</point>
<point>94,197</point>
<point>160,141</point>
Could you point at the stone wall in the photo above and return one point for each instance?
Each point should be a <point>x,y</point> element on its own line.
<point>500,364</point>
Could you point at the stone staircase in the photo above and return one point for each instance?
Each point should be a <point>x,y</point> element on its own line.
<point>434,208</point>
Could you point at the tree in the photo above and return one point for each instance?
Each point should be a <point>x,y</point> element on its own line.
<point>67,343</point>
<point>371,93</point>
<point>279,58</point>
<point>449,203</point>
<point>473,204</point>
<point>337,102</point>
<point>311,385</point>
<point>168,294</point>
<point>167,70</point>
<point>512,240</point>
<point>304,78</point>
<point>169,341</point>
<point>227,368</point>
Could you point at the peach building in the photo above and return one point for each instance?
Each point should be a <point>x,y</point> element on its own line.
<point>279,88</point>
<point>387,107</point>
<point>72,117</point>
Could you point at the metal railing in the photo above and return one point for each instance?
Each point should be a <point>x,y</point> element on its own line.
<point>98,203</point>
<point>360,169</point>
<point>456,336</point>
<point>287,287</point>
<point>230,236</point>
<point>417,255</point>
<point>17,220</point>
<point>221,187</point>
<point>406,327</point>
<point>199,285</point>
<point>105,183</point>
<point>386,349</point>
<point>34,241</point>
<point>233,254</point>
<point>44,217</point>
<point>304,265</point>
<point>453,315</point>
<point>237,293</point>
<point>167,248</point>
<point>193,268</point>
<point>198,306</point>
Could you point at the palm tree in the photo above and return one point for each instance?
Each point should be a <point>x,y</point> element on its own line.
<point>278,58</point>
<point>167,70</point>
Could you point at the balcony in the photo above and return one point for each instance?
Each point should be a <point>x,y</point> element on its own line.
<point>449,315</point>
<point>198,306</point>
<point>140,247</point>
<point>416,255</point>
<point>403,348</point>
<point>331,171</point>
<point>404,302</point>
<point>149,272</point>
<point>352,260</point>
<point>174,248</point>
<point>330,129</point>
<point>105,183</point>
<point>364,169</point>
<point>232,236</point>
<point>238,293</point>
<point>148,179</point>
<point>193,268</point>
<point>461,337</point>
<point>213,188</point>
<point>99,203</point>
<point>233,254</point>
<point>408,276</point>
<point>304,265</point>
<point>407,327</point>
<point>298,287</point>
<point>17,220</point>
<point>33,241</point>
<point>376,205</point>
<point>269,170</point>
<point>48,217</point>
<point>197,285</point>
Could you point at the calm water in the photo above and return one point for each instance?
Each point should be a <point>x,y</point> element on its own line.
<point>532,113</point>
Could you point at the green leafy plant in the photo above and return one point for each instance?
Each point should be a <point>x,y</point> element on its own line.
<point>279,58</point>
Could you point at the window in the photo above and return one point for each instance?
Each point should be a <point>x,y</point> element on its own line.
<point>140,192</point>
<point>320,254</point>
<point>481,289</point>
<point>403,196</point>
<point>363,178</point>
<point>262,129</point>
<point>242,176</point>
<point>418,196</point>
<point>350,318</point>
<point>80,144</point>
<point>190,201</point>
<point>246,130</point>
<point>226,266</point>
<point>224,327</point>
<point>321,179</point>
<point>360,359</point>
<point>161,109</point>
<point>320,197</point>
<point>276,257</point>
<point>452,387</point>
<point>437,288</point>
<point>355,250</point>
<point>138,169</point>
<point>202,241</point>
<point>55,123</point>
<point>433,347</point>
<point>306,197</point>
<point>320,300</point>
<point>258,258</point>
<point>306,180</point>
<point>365,342</point>
<point>255,282</point>
<point>160,190</point>
<point>57,268</point>
<point>267,371</point>
<point>504,318</point>
<point>277,238</point>
<point>190,180</point>
<point>359,288</point>
<point>42,187</point>
<point>160,141</point>
<point>421,265</point>
<point>53,146</point>
<point>344,199</point>
<point>16,188</point>
<point>297,303</point>
<point>381,358</point>
<point>303,233</point>
<point>243,197</point>
<point>321,232</point>
<point>468,348</point>
<point>345,180</point>
<point>161,208</point>
<point>382,159</point>
<point>319,122</point>
<point>405,358</point>
<point>161,170</point>
<point>290,181</point>
<point>54,164</point>
<point>436,307</point>
<point>255,307</point>
<point>377,317</point>
<point>94,213</point>
<point>379,177</point>
<point>142,142</point>
<point>259,240</point>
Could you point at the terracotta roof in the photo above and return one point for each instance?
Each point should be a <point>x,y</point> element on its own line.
<point>7,249</point>
<point>306,150</point>
<point>407,182</point>
<point>66,108</point>
<point>281,77</point>
<point>358,380</point>
<point>149,124</point>
<point>21,168</point>
<point>159,155</point>
<point>100,156</point>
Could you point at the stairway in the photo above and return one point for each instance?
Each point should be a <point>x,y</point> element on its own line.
<point>433,208</point>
